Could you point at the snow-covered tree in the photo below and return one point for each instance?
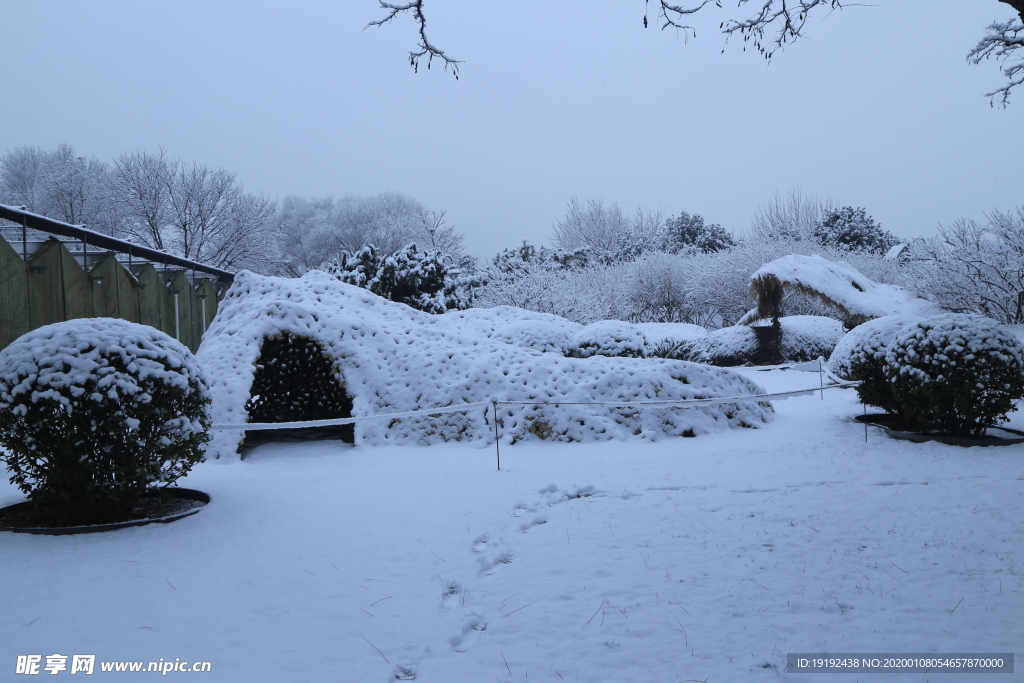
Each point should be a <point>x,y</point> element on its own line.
<point>687,232</point>
<point>416,278</point>
<point>851,228</point>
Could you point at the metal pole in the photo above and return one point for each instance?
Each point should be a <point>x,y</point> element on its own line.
<point>865,421</point>
<point>497,449</point>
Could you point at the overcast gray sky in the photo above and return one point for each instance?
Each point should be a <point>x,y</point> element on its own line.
<point>878,108</point>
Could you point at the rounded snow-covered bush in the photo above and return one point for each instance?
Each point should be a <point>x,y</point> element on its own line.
<point>955,373</point>
<point>860,357</point>
<point>607,338</point>
<point>541,335</point>
<point>95,412</point>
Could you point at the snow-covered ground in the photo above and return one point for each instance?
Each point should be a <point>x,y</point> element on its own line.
<point>683,559</point>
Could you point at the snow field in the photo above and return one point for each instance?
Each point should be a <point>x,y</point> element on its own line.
<point>682,559</point>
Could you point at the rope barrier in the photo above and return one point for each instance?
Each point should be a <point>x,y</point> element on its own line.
<point>349,420</point>
<point>255,426</point>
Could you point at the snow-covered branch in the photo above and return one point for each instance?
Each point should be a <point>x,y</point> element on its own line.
<point>1001,41</point>
<point>426,48</point>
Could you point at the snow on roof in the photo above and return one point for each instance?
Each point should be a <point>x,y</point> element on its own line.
<point>393,358</point>
<point>838,283</point>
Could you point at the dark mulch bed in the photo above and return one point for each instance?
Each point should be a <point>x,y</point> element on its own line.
<point>178,503</point>
<point>895,428</point>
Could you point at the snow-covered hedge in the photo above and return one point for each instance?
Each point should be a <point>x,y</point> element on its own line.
<point>615,338</point>
<point>392,358</point>
<point>95,411</point>
<point>516,326</point>
<point>541,335</point>
<point>955,373</point>
<point>804,337</point>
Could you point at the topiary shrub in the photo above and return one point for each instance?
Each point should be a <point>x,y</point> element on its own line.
<point>607,338</point>
<point>96,412</point>
<point>957,374</point>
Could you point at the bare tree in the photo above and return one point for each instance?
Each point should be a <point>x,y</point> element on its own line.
<point>976,267</point>
<point>57,183</point>
<point>140,191</point>
<point>22,177</point>
<point>591,225</point>
<point>793,217</point>
<point>213,220</point>
<point>774,25</point>
<point>315,231</point>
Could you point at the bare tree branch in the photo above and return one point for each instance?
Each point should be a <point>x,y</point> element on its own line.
<point>427,49</point>
<point>776,24</point>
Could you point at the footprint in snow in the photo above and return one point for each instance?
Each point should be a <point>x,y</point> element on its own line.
<point>471,630</point>
<point>526,526</point>
<point>490,562</point>
<point>450,596</point>
<point>480,544</point>
<point>404,673</point>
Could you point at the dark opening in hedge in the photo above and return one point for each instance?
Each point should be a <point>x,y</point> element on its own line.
<point>296,381</point>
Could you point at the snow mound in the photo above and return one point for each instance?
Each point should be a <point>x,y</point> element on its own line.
<point>392,358</point>
<point>837,283</point>
<point>804,337</point>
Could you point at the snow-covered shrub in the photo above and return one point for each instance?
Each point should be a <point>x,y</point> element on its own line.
<point>607,338</point>
<point>393,358</point>
<point>801,338</point>
<point>541,335</point>
<point>860,357</point>
<point>415,278</point>
<point>675,350</point>
<point>955,373</point>
<point>96,411</point>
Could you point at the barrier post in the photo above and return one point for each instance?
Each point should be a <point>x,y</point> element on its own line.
<point>497,448</point>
